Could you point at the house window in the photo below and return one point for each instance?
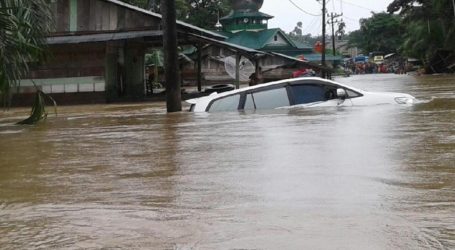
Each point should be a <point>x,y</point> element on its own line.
<point>275,38</point>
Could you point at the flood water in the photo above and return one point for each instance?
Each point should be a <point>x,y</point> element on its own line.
<point>134,177</point>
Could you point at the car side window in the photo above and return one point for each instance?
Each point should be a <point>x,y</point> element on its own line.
<point>225,104</point>
<point>309,93</point>
<point>271,98</point>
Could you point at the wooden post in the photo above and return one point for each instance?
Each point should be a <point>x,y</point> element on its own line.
<point>134,70</point>
<point>323,73</point>
<point>171,67</point>
<point>111,71</point>
<point>199,67</point>
<point>257,71</point>
<point>333,34</point>
<point>237,70</point>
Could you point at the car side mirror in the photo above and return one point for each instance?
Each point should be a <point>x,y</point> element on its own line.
<point>341,94</point>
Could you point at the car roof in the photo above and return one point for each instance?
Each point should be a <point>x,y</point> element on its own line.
<point>289,81</point>
<point>202,102</point>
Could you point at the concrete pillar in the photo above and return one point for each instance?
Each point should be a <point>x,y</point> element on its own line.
<point>134,71</point>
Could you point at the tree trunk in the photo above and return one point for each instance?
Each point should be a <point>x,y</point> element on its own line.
<point>171,68</point>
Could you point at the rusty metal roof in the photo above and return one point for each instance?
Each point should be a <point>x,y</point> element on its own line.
<point>194,29</point>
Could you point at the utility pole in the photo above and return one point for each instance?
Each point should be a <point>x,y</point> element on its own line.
<point>323,73</point>
<point>453,3</point>
<point>333,22</point>
<point>171,67</point>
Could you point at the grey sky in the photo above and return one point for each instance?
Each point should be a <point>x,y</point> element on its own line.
<point>287,15</point>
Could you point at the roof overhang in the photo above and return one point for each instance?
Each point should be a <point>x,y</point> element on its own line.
<point>245,51</point>
<point>302,62</point>
<point>102,37</point>
<point>180,24</point>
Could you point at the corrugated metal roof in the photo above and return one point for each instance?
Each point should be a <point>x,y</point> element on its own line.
<point>102,37</point>
<point>230,45</point>
<point>256,39</point>
<point>305,62</point>
<point>201,31</point>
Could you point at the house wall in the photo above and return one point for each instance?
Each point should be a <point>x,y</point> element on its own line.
<point>277,40</point>
<point>68,69</point>
<point>214,72</point>
<point>114,69</point>
<point>91,16</point>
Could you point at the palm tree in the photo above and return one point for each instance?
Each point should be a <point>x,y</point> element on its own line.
<point>25,24</point>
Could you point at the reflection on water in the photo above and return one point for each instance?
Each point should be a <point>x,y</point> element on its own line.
<point>132,176</point>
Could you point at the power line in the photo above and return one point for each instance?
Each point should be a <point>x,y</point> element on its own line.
<point>311,25</point>
<point>358,6</point>
<point>302,10</point>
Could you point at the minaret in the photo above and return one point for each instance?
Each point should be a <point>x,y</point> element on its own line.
<point>245,15</point>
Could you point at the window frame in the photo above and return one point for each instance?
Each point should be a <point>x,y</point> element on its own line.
<point>223,97</point>
<point>289,91</point>
<point>262,89</point>
<point>319,83</point>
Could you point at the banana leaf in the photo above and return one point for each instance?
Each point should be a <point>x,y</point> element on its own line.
<point>39,108</point>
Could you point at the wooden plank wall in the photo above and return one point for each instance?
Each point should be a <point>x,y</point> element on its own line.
<point>100,16</point>
<point>71,61</point>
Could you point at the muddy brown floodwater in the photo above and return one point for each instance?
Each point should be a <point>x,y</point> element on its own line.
<point>134,177</point>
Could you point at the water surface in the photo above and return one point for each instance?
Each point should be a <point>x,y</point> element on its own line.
<point>134,177</point>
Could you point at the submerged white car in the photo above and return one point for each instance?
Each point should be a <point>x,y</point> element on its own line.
<point>297,92</point>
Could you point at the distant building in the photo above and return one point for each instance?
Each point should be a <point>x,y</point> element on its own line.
<point>247,26</point>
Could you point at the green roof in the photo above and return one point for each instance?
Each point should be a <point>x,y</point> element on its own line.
<point>256,39</point>
<point>302,45</point>
<point>241,14</point>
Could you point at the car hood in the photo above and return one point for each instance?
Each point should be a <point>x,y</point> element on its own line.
<point>372,98</point>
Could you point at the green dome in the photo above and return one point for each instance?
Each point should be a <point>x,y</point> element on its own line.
<point>246,5</point>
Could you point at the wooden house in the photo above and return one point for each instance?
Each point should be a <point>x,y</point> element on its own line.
<point>97,51</point>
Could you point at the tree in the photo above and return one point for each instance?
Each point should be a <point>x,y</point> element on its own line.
<point>201,13</point>
<point>429,26</point>
<point>381,32</point>
<point>25,24</point>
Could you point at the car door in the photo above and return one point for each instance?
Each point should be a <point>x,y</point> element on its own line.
<point>267,98</point>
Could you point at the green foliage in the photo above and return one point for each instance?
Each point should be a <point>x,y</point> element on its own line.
<point>306,39</point>
<point>24,26</point>
<point>201,13</point>
<point>38,109</point>
<point>430,25</point>
<point>205,13</point>
<point>381,32</point>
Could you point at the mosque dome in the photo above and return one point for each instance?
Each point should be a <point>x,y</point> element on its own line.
<point>246,5</point>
